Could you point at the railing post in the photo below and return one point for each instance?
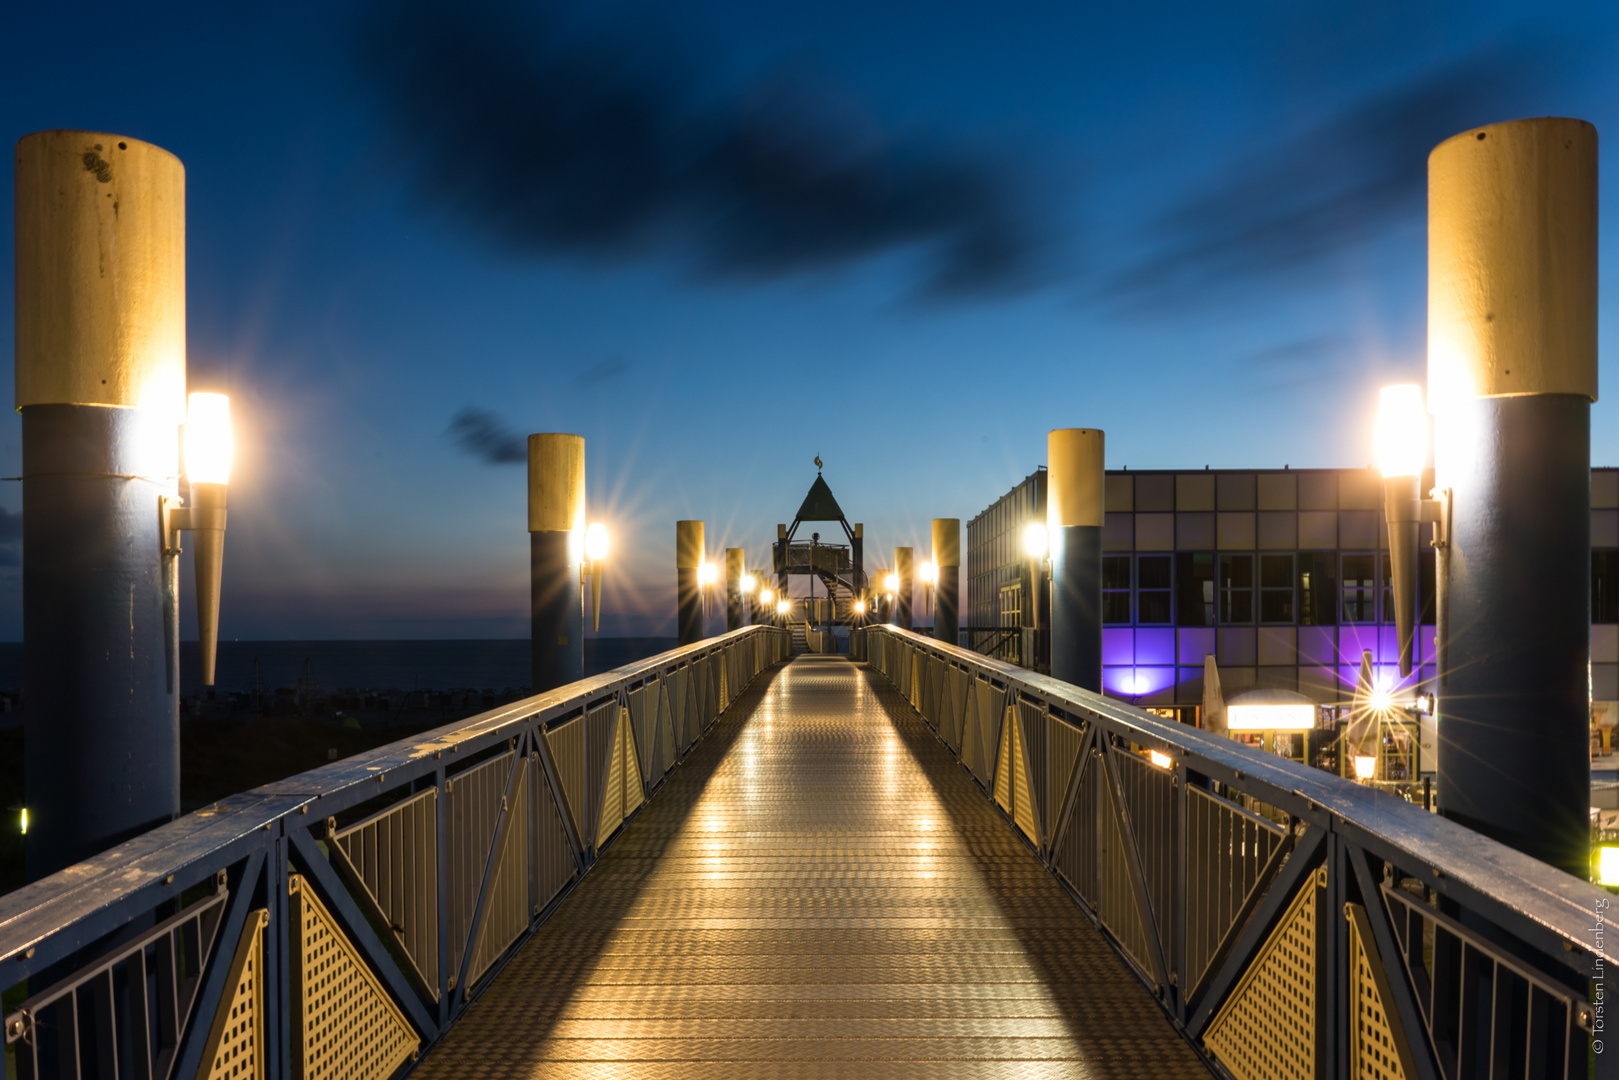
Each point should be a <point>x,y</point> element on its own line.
<point>947,591</point>
<point>1074,514</point>
<point>688,589</point>
<point>556,526</point>
<point>100,383</point>
<point>1512,372</point>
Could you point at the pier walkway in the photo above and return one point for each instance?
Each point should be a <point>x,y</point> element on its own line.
<point>819,890</point>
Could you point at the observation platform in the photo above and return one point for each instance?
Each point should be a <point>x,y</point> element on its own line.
<point>818,890</point>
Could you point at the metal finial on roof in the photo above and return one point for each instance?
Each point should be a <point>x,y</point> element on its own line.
<point>817,462</point>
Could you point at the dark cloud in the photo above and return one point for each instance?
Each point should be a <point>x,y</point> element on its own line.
<point>600,372</point>
<point>545,139</point>
<point>483,435</point>
<point>1339,183</point>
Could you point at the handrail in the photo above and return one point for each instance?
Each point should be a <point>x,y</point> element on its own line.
<point>1122,835</point>
<point>541,806</point>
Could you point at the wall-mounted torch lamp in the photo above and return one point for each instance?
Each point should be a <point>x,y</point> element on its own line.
<point>707,574</point>
<point>597,544</point>
<point>1036,546</point>
<point>207,467</point>
<point>1402,451</point>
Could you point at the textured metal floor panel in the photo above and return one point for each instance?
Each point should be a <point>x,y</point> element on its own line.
<point>819,891</point>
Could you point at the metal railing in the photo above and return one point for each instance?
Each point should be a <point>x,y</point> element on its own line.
<point>1293,924</point>
<point>340,921</point>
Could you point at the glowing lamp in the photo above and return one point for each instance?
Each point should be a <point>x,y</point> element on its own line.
<point>1280,717</point>
<point>748,583</point>
<point>596,542</point>
<point>706,573</point>
<point>1381,701</point>
<point>1035,542</point>
<point>930,573</point>
<point>25,821</point>
<point>891,582</point>
<point>783,607</point>
<point>859,607</point>
<point>1365,767</point>
<point>1402,431</point>
<point>1161,760</point>
<point>1425,703</point>
<point>766,595</point>
<point>1607,865</point>
<point>208,439</point>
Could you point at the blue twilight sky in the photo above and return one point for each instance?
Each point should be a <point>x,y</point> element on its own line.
<point>720,238</point>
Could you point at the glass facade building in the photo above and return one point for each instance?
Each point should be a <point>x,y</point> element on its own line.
<point>1282,575</point>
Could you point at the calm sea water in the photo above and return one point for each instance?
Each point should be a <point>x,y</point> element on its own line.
<point>376,665</point>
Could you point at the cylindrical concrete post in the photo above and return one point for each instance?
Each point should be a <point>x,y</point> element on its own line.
<point>556,526</point>
<point>688,587</point>
<point>946,590</point>
<point>1512,372</point>
<point>100,383</point>
<point>903,560</point>
<point>1075,487</point>
<point>735,566</point>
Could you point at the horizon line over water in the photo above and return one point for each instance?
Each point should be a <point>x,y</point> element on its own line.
<point>386,664</point>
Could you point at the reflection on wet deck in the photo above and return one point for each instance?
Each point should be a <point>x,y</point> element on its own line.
<point>820,890</point>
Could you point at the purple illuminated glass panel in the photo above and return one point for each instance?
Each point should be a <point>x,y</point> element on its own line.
<point>1155,647</point>
<point>1118,646</point>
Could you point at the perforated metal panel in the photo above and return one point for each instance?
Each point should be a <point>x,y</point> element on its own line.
<point>634,793</point>
<point>600,722</point>
<point>1003,769</point>
<point>395,855</point>
<point>346,1027</point>
<point>1074,854</point>
<point>506,908</point>
<point>675,693</point>
<point>1377,1046</point>
<point>644,718</point>
<point>235,1047</point>
<point>1023,813</point>
<point>694,709</point>
<point>611,813</point>
<point>1266,1029</point>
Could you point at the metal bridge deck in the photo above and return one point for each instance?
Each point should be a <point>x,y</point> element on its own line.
<point>819,891</point>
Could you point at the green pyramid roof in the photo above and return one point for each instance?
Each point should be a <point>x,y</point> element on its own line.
<point>819,505</point>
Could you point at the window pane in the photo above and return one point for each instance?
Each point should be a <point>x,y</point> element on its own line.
<point>1236,571</point>
<point>1276,571</point>
<point>1358,606</point>
<point>1194,589</point>
<point>1318,588</point>
<point>1237,606</point>
<point>1276,605</point>
<point>1116,607</point>
<point>1358,571</point>
<point>1426,585</point>
<point>1604,586</point>
<point>1116,572</point>
<point>1153,607</point>
<point>1152,571</point>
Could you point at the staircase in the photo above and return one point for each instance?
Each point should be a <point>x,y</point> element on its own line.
<point>798,633</point>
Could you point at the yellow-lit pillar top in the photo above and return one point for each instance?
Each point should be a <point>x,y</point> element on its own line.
<point>735,566</point>
<point>688,545</point>
<point>946,541</point>
<point>1512,261</point>
<point>902,562</point>
<point>1076,481</point>
<point>100,273</point>
<point>556,483</point>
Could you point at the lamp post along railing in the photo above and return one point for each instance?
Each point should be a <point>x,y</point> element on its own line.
<point>903,563</point>
<point>1075,504</point>
<point>947,578</point>
<point>556,526</point>
<point>101,388</point>
<point>689,590</point>
<point>1512,373</point>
